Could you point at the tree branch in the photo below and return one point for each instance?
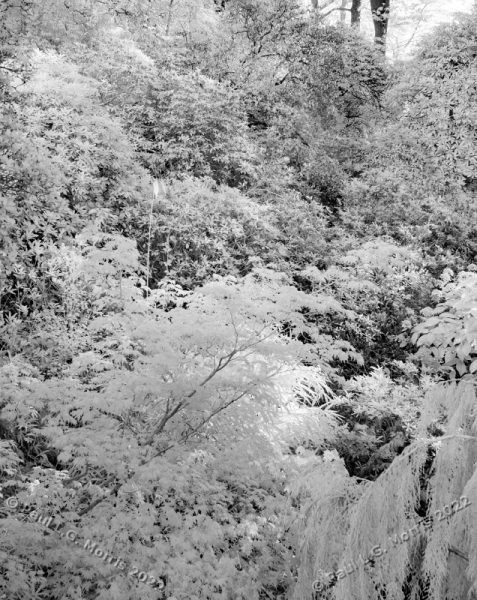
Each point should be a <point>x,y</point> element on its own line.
<point>333,10</point>
<point>459,553</point>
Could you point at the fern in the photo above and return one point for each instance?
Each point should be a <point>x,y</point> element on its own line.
<point>393,504</point>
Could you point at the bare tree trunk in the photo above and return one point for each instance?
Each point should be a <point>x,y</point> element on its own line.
<point>356,13</point>
<point>380,13</point>
<point>169,17</point>
<point>343,11</point>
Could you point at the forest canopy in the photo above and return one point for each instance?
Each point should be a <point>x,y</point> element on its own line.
<point>238,307</point>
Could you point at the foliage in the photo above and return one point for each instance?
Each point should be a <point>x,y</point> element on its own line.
<point>420,562</point>
<point>221,224</point>
<point>63,157</point>
<point>193,124</point>
<point>447,335</point>
<point>383,285</point>
<point>420,161</point>
<point>148,382</point>
<point>442,100</point>
<point>201,230</point>
<point>381,416</point>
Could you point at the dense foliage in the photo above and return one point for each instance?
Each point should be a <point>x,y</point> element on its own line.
<point>238,312</point>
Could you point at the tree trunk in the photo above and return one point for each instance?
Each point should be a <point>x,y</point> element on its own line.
<point>356,13</point>
<point>169,17</point>
<point>380,13</point>
<point>343,11</point>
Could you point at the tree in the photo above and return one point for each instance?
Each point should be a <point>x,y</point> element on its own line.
<point>356,13</point>
<point>215,374</point>
<point>380,12</point>
<point>158,383</point>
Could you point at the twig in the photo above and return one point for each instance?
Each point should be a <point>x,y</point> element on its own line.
<point>458,552</point>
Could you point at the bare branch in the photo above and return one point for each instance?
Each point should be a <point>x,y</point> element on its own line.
<point>458,552</point>
<point>340,8</point>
